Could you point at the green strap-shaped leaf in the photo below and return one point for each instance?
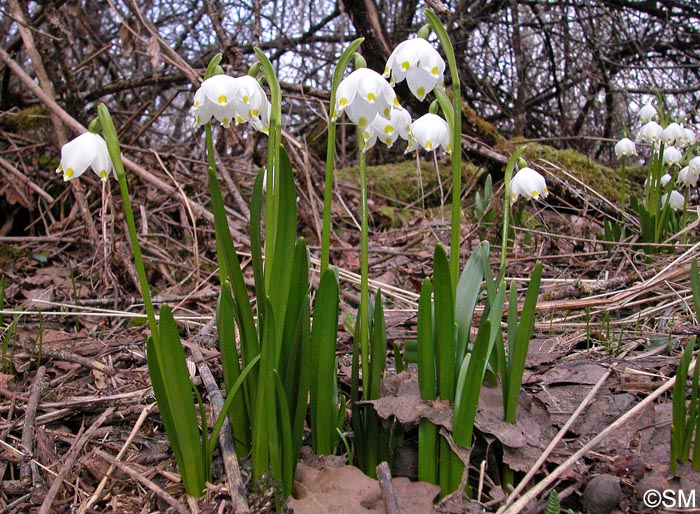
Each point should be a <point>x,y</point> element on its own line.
<point>444,325</point>
<point>230,362</point>
<point>322,364</point>
<point>173,390</point>
<point>378,348</point>
<point>425,347</point>
<point>517,351</point>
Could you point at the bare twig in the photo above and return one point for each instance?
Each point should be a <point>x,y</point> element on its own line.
<point>391,505</point>
<point>26,470</point>
<point>135,475</point>
<point>541,486</point>
<point>70,459</point>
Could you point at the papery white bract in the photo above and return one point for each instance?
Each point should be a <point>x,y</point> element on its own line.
<point>388,130</point>
<point>229,99</point>
<point>675,200</point>
<point>417,61</point>
<point>625,147</point>
<point>86,150</point>
<point>672,156</point>
<point>363,95</point>
<point>527,183</point>
<point>430,132</point>
<point>647,113</point>
<point>652,133</point>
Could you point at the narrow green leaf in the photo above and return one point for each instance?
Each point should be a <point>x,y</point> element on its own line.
<point>287,446</point>
<point>256,245</point>
<point>521,342</point>
<point>468,290</point>
<point>324,332</point>
<point>425,347</point>
<point>250,345</point>
<point>378,348</point>
<point>173,389</point>
<point>265,454</point>
<point>230,362</point>
<point>427,452</point>
<point>444,325</point>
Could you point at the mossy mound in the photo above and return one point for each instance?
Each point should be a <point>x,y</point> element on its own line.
<point>602,179</point>
<point>399,182</point>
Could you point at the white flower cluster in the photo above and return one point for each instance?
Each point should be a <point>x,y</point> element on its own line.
<point>674,138</point>
<point>232,99</point>
<point>370,102</point>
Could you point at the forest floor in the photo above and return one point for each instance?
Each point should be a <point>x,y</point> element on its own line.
<point>80,432</point>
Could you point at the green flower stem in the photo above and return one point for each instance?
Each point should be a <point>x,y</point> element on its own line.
<point>364,272</point>
<point>330,154</point>
<point>506,207</point>
<point>115,155</point>
<point>273,156</point>
<point>455,237</point>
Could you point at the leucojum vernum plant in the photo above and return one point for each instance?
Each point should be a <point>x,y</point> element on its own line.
<point>668,148</point>
<point>278,347</point>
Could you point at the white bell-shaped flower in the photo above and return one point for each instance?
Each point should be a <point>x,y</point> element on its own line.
<point>674,134</point>
<point>229,99</point>
<point>251,103</point>
<point>363,95</point>
<point>674,199</point>
<point>651,133</point>
<point>417,61</point>
<point>688,176</point>
<point>527,183</point>
<point>214,99</point>
<point>648,113</point>
<point>665,179</point>
<point>388,131</point>
<point>625,147</point>
<point>672,156</point>
<point>88,150</point>
<point>690,136</point>
<point>430,132</point>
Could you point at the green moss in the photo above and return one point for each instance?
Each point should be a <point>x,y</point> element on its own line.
<point>29,118</point>
<point>602,179</point>
<point>398,182</point>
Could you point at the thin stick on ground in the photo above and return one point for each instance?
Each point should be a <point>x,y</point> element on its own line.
<point>27,471</point>
<point>70,459</point>
<point>560,435</point>
<point>103,483</point>
<point>391,505</point>
<point>135,475</point>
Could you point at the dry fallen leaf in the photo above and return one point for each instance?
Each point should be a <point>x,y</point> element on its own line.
<point>346,489</point>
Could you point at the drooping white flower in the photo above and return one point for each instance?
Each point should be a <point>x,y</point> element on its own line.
<point>527,183</point>
<point>214,99</point>
<point>430,132</point>
<point>675,200</point>
<point>665,179</point>
<point>647,113</point>
<point>687,176</point>
<point>388,130</point>
<point>229,99</point>
<point>652,133</point>
<point>690,136</point>
<point>694,165</point>
<point>674,134</point>
<point>417,61</point>
<point>363,95</point>
<point>251,103</point>
<point>88,150</point>
<point>625,147</point>
<point>672,156</point>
